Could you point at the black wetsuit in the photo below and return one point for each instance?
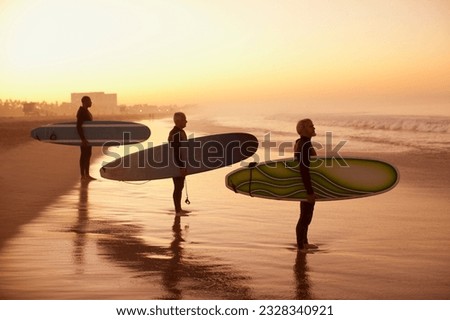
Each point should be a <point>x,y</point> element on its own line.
<point>176,136</point>
<point>303,151</point>
<point>83,115</point>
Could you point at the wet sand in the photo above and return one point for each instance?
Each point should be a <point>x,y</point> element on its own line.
<point>61,239</point>
<point>32,174</point>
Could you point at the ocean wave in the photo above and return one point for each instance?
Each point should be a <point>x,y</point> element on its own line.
<point>438,125</point>
<point>371,132</point>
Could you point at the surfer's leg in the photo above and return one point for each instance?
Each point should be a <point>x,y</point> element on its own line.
<point>299,232</point>
<point>300,229</point>
<point>178,183</point>
<point>85,160</point>
<point>306,213</point>
<point>82,161</point>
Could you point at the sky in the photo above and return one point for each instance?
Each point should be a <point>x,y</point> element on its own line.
<point>257,53</point>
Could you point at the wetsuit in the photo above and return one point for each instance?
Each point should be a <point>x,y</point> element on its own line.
<point>83,115</point>
<point>176,136</point>
<point>303,151</point>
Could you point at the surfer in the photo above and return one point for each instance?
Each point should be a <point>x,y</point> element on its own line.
<point>176,136</point>
<point>83,115</point>
<point>303,151</point>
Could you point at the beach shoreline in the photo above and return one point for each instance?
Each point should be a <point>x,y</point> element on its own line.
<point>34,174</point>
<point>45,208</point>
<point>53,169</point>
<point>411,172</point>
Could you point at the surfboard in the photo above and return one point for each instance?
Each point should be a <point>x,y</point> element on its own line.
<point>98,133</point>
<point>332,179</point>
<point>201,154</point>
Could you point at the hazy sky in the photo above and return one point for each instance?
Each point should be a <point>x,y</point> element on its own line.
<point>242,52</point>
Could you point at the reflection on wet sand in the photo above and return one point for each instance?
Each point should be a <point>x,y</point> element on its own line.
<point>183,276</point>
<point>81,226</point>
<point>173,274</point>
<point>303,288</point>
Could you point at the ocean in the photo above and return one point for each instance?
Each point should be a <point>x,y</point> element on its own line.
<point>360,132</point>
<point>117,240</point>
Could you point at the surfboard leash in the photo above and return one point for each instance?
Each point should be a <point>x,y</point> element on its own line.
<point>187,195</point>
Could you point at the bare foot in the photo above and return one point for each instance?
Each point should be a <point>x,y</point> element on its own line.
<point>182,213</point>
<point>88,178</point>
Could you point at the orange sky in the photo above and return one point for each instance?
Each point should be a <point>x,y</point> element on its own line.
<point>258,52</point>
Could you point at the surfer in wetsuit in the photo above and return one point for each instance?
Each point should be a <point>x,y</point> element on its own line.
<point>303,151</point>
<point>83,115</point>
<point>176,136</point>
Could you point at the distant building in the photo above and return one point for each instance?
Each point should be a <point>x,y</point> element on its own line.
<point>31,109</point>
<point>103,103</point>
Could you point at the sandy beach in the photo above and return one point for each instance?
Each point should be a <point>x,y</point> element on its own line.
<point>60,239</point>
<point>372,79</point>
<point>32,175</point>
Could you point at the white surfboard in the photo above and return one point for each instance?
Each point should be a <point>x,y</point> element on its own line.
<point>98,133</point>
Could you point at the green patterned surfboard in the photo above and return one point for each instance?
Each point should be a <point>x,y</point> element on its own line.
<point>332,179</point>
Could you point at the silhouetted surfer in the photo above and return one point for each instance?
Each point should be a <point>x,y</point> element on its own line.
<point>176,136</point>
<point>303,151</point>
<point>83,115</point>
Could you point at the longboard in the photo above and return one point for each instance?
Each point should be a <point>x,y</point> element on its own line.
<point>201,154</point>
<point>98,133</point>
<point>332,179</point>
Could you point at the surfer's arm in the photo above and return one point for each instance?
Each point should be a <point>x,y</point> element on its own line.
<point>306,178</point>
<point>175,143</point>
<point>304,162</point>
<point>179,160</point>
<point>80,120</point>
<point>81,131</point>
